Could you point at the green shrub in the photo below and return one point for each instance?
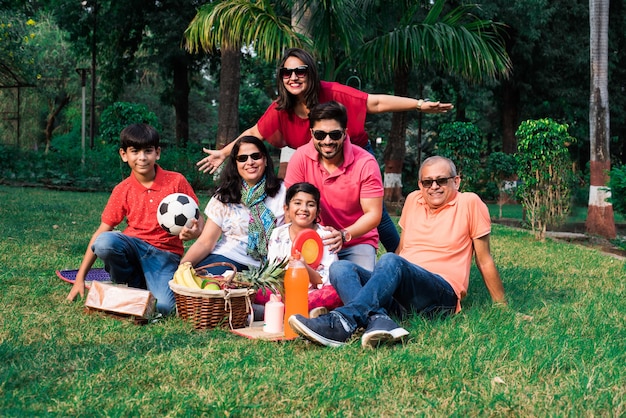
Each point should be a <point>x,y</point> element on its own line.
<point>545,172</point>
<point>121,114</point>
<point>462,142</point>
<point>618,189</point>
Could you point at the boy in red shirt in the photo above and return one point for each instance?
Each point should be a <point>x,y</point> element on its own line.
<point>144,255</point>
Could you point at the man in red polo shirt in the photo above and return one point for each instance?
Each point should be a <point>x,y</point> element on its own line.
<point>349,180</point>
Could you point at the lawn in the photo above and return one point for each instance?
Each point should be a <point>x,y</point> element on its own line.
<point>557,350</point>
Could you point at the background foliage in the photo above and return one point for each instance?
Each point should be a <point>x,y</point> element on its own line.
<point>545,172</point>
<point>138,48</point>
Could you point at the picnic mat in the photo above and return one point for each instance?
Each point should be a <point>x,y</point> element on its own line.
<point>255,331</point>
<point>94,275</point>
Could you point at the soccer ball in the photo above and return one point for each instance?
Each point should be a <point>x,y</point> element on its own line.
<point>176,211</point>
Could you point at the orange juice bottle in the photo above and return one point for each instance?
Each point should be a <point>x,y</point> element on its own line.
<point>296,294</point>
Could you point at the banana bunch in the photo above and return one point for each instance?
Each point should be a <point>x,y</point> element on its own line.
<point>185,276</point>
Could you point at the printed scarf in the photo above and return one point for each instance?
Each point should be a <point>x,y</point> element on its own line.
<point>262,220</point>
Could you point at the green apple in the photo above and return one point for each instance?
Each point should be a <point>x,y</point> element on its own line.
<point>210,285</point>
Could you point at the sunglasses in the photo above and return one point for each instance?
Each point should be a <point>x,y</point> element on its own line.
<point>334,135</point>
<point>300,71</point>
<point>242,158</point>
<point>440,182</point>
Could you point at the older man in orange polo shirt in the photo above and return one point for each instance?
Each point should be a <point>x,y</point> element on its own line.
<point>429,274</point>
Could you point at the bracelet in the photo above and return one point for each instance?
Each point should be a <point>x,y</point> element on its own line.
<point>420,102</point>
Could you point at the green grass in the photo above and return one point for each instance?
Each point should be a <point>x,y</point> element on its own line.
<point>514,211</point>
<point>566,357</point>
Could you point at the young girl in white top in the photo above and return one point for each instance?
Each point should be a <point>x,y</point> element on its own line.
<point>302,203</point>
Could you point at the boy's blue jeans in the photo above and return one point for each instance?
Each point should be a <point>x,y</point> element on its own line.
<point>139,264</point>
<point>395,286</point>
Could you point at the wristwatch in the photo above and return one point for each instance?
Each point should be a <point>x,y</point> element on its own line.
<point>345,236</point>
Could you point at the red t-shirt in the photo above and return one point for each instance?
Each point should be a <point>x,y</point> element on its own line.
<point>281,128</point>
<point>138,204</point>
<point>358,177</point>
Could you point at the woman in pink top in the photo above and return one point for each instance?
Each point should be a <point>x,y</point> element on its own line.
<point>285,122</point>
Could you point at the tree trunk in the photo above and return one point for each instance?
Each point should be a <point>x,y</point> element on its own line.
<point>228,109</point>
<point>510,101</point>
<point>600,220</point>
<point>57,106</point>
<point>181,100</point>
<point>396,150</point>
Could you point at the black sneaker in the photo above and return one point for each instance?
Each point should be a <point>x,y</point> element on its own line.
<point>380,330</point>
<point>330,330</point>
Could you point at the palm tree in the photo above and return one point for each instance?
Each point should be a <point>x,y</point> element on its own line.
<point>456,42</point>
<point>463,45</point>
<point>600,220</point>
<point>227,27</point>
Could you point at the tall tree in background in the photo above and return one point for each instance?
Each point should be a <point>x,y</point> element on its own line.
<point>131,32</point>
<point>600,220</point>
<point>227,27</point>
<point>455,42</point>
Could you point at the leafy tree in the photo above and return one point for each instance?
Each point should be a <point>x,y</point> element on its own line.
<point>618,188</point>
<point>226,27</point>
<point>462,142</point>
<point>544,169</point>
<point>121,114</point>
<point>55,63</point>
<point>38,54</point>
<point>129,34</point>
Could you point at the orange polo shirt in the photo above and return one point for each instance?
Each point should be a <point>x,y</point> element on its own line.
<point>441,242</point>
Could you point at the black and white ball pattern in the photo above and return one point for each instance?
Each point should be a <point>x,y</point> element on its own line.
<point>176,211</point>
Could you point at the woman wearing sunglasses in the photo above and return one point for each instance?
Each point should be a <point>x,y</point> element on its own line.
<point>285,122</point>
<point>247,206</point>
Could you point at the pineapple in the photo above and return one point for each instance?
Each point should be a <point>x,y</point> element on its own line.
<point>269,275</point>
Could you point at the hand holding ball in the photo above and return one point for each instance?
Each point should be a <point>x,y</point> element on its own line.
<point>176,211</point>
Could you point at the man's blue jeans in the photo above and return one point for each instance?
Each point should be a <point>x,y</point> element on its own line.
<point>395,286</point>
<point>363,255</point>
<point>139,264</point>
<point>387,231</point>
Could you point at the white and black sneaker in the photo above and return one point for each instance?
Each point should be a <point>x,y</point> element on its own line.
<point>382,330</point>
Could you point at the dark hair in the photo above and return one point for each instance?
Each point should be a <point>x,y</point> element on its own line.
<point>287,101</point>
<point>307,188</point>
<point>329,110</point>
<point>139,136</point>
<point>229,190</point>
<point>303,187</point>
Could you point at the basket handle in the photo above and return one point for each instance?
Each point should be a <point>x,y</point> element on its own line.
<point>230,282</point>
<point>201,270</point>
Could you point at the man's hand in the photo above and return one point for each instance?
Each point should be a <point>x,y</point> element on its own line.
<point>333,240</point>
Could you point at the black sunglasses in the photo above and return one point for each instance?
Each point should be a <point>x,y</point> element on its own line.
<point>334,135</point>
<point>300,71</point>
<point>440,182</point>
<point>242,158</point>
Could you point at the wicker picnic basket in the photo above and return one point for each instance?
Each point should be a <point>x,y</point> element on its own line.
<point>208,309</point>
